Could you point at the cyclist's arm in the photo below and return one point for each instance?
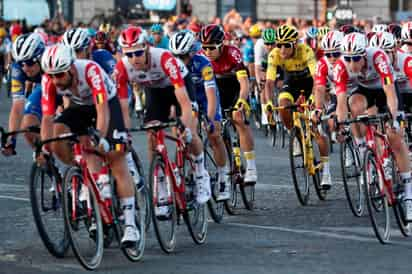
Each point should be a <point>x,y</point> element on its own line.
<point>271,75</point>
<point>341,78</point>
<point>210,88</point>
<point>121,80</point>
<point>320,84</point>
<point>48,105</point>
<point>19,99</point>
<point>243,79</point>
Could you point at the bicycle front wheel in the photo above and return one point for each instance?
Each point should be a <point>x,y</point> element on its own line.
<point>164,214</point>
<point>300,176</point>
<point>376,199</point>
<point>82,219</point>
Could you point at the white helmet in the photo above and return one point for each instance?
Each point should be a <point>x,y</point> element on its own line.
<point>28,46</point>
<point>354,44</point>
<point>332,41</point>
<point>182,42</point>
<point>57,58</point>
<point>76,38</point>
<point>380,28</point>
<point>406,33</point>
<point>383,40</point>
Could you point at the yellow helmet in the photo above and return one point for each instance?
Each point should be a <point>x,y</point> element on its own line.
<point>286,34</point>
<point>3,32</point>
<point>255,31</point>
<point>105,28</point>
<point>322,31</point>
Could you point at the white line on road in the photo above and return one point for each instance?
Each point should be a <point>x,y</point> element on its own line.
<point>14,198</point>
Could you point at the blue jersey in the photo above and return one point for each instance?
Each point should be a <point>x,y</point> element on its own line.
<point>203,78</point>
<point>248,51</point>
<point>164,43</point>
<point>105,59</point>
<point>18,81</point>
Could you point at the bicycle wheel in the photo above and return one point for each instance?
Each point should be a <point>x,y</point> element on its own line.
<point>83,223</point>
<point>283,135</point>
<point>164,224</point>
<point>273,134</point>
<point>300,176</point>
<point>216,208</point>
<point>320,192</point>
<point>231,204</point>
<point>351,176</point>
<point>46,204</point>
<point>376,200</point>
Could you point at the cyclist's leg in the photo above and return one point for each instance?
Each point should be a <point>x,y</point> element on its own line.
<point>359,103</point>
<point>287,96</point>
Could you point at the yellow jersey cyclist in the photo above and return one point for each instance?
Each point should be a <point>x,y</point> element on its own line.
<point>299,65</point>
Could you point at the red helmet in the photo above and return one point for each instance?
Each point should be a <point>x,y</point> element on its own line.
<point>132,36</point>
<point>195,28</point>
<point>101,37</point>
<point>212,34</point>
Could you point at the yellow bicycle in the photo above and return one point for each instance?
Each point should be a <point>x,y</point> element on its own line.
<point>304,153</point>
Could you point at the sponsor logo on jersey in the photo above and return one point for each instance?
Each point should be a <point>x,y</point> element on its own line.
<point>207,73</point>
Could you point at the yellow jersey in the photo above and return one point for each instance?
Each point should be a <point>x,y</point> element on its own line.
<point>301,65</point>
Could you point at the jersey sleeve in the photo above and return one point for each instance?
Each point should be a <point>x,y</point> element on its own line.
<point>407,68</point>
<point>340,77</point>
<point>208,76</point>
<point>95,80</point>
<point>271,72</point>
<point>321,77</point>
<point>235,58</point>
<point>310,60</point>
<point>18,80</point>
<point>121,79</point>
<point>383,67</point>
<point>48,98</point>
<point>171,69</point>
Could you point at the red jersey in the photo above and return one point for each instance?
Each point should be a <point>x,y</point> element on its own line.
<point>229,63</point>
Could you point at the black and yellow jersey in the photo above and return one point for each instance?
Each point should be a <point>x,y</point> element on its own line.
<point>301,65</point>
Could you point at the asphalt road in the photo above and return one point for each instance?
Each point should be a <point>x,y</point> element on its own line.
<point>279,236</point>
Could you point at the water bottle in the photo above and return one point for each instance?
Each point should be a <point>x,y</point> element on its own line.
<point>387,168</point>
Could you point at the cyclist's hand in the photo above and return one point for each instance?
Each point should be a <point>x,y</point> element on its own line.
<point>398,120</point>
<point>341,133</point>
<point>269,108</point>
<point>9,148</point>
<point>262,84</point>
<point>210,126</point>
<point>187,135</point>
<point>315,115</point>
<point>41,158</point>
<point>243,105</point>
<point>103,144</point>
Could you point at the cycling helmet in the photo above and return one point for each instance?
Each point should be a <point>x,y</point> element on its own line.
<point>195,28</point>
<point>406,33</point>
<point>286,34</point>
<point>380,28</point>
<point>322,31</point>
<point>3,32</point>
<point>311,32</point>
<point>369,35</point>
<point>396,30</point>
<point>105,27</point>
<point>255,31</point>
<point>332,41</point>
<point>156,28</point>
<point>383,40</point>
<point>57,58</point>
<point>269,36</point>
<point>346,29</point>
<point>212,34</point>
<point>354,44</point>
<point>27,46</point>
<point>182,42</point>
<point>101,37</point>
<point>132,36</point>
<point>76,38</point>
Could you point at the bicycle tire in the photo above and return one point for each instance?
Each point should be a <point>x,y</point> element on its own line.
<point>353,193</point>
<point>302,194</point>
<point>375,199</point>
<point>166,242</point>
<point>273,135</point>
<point>71,226</point>
<point>59,247</point>
<point>320,192</point>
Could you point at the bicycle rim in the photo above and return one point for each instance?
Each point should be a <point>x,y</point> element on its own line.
<point>87,243</point>
<point>46,204</point>
<point>320,192</point>
<point>216,208</point>
<point>376,200</point>
<point>352,178</point>
<point>231,204</point>
<point>164,224</point>
<point>300,175</point>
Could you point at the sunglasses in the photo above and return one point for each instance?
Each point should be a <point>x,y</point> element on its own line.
<point>354,59</point>
<point>332,54</point>
<point>57,75</point>
<point>269,44</point>
<point>211,48</point>
<point>28,63</point>
<point>136,53</point>
<point>285,45</point>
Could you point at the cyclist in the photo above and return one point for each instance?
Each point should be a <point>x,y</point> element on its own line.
<point>406,37</point>
<point>322,31</point>
<point>330,45</point>
<point>248,49</point>
<point>396,31</point>
<point>311,38</point>
<point>365,76</point>
<point>157,38</point>
<point>5,51</point>
<point>26,73</point>
<point>167,82</point>
<point>93,103</point>
<point>233,83</point>
<point>102,41</point>
<point>183,45</point>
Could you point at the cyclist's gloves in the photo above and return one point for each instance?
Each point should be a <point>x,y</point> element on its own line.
<point>399,119</point>
<point>315,114</point>
<point>9,146</point>
<point>210,127</point>
<point>269,107</point>
<point>188,135</point>
<point>104,144</point>
<point>242,102</point>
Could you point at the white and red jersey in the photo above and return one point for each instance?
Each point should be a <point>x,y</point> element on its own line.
<point>324,73</point>
<point>403,71</point>
<point>94,86</point>
<point>377,72</point>
<point>164,70</point>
